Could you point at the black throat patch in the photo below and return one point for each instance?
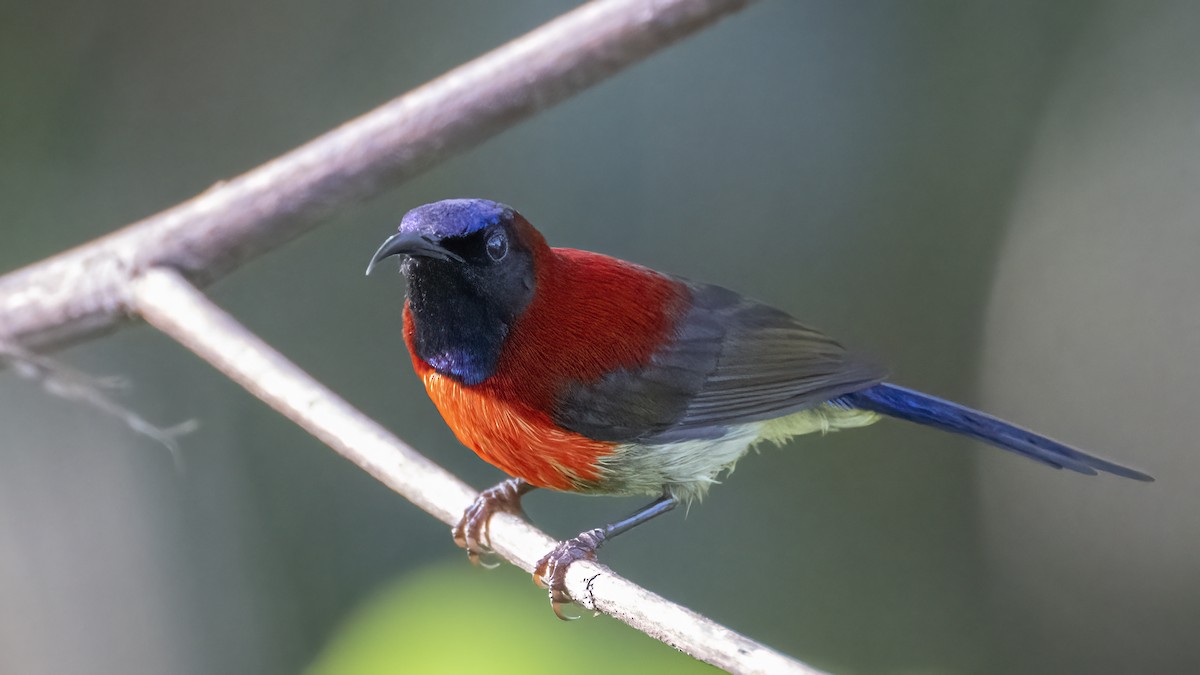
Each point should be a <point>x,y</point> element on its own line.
<point>456,330</point>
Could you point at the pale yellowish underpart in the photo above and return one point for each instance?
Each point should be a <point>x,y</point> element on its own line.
<point>823,418</point>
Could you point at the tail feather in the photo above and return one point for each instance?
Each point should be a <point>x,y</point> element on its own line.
<point>907,404</point>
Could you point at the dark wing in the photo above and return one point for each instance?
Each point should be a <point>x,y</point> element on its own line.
<point>733,360</point>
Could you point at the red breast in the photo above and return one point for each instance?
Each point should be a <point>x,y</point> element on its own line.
<point>590,315</point>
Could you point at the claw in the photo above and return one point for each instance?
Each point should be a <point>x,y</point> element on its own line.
<point>551,570</point>
<point>557,607</point>
<point>481,558</point>
<point>473,531</point>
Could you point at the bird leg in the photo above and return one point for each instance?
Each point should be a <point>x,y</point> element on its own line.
<point>551,570</point>
<point>472,532</point>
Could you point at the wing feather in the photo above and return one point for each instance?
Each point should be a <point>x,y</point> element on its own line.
<point>733,360</point>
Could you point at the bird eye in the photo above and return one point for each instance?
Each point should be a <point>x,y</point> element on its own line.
<point>497,246</point>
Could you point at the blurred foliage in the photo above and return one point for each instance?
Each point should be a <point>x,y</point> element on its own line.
<point>451,618</point>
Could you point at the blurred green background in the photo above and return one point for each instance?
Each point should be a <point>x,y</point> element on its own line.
<point>998,199</point>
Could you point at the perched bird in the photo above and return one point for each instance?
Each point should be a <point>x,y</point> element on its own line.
<point>575,371</point>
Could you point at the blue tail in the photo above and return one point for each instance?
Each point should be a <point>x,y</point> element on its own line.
<point>914,406</point>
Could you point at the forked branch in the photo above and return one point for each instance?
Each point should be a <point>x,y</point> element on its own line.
<point>152,268</point>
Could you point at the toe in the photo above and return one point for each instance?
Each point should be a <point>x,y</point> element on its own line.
<point>473,531</point>
<point>551,570</point>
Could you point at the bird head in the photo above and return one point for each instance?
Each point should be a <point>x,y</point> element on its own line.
<point>478,246</point>
<point>471,271</point>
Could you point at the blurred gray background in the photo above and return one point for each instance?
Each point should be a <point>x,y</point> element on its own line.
<point>998,199</point>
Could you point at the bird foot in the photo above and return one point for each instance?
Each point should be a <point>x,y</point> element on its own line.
<point>472,531</point>
<point>551,570</point>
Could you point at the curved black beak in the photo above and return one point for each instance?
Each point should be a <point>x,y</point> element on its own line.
<point>412,243</point>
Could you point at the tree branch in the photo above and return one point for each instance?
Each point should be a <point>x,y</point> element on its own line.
<point>168,302</point>
<point>84,292</point>
<point>149,268</point>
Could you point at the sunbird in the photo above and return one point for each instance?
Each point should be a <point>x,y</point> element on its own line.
<point>579,372</point>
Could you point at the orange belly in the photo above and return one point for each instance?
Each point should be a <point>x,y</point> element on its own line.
<point>520,441</point>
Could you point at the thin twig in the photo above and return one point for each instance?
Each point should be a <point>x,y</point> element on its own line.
<point>168,302</point>
<point>83,292</point>
<point>59,379</point>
